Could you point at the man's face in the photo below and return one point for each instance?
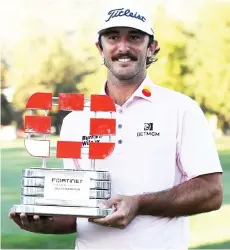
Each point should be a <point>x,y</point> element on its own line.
<point>125,52</point>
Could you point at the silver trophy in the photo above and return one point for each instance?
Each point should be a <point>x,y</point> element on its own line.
<point>58,191</point>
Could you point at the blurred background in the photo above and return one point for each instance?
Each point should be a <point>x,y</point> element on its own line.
<point>48,46</point>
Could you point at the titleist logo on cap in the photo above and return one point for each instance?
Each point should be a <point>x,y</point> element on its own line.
<point>124,12</point>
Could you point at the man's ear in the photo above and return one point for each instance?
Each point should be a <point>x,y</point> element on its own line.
<point>99,49</point>
<point>149,53</point>
<point>153,47</point>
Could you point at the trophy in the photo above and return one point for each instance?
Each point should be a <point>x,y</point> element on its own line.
<point>58,191</point>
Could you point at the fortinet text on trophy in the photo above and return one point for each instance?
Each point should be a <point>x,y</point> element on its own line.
<point>59,191</point>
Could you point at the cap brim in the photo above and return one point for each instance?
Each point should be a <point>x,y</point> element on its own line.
<point>100,32</point>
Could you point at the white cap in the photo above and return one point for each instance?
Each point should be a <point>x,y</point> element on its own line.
<point>126,16</point>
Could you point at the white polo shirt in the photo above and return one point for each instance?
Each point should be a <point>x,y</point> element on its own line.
<point>163,139</point>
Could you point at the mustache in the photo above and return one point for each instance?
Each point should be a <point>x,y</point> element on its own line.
<point>127,55</point>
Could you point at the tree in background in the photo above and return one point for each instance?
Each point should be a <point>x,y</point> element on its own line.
<point>7,113</point>
<point>45,64</point>
<point>194,58</point>
<point>171,68</point>
<point>209,59</point>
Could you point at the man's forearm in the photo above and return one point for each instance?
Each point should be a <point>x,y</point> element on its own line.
<point>192,197</point>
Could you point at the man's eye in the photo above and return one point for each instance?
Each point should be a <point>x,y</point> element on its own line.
<point>113,37</point>
<point>135,38</point>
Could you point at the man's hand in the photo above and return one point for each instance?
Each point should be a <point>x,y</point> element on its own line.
<point>31,223</point>
<point>126,208</point>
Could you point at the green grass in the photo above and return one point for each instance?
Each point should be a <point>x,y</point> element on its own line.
<point>223,245</point>
<point>208,231</point>
<point>38,241</point>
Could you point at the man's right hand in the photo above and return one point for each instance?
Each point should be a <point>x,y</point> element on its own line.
<point>32,223</point>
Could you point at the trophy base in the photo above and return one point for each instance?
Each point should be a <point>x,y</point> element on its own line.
<point>85,212</point>
<point>39,201</point>
<point>50,192</point>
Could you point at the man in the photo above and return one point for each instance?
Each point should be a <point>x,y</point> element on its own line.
<point>165,165</point>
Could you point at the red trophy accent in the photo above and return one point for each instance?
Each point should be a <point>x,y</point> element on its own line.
<point>38,124</point>
<point>70,102</point>
<point>100,150</point>
<point>69,149</point>
<point>102,103</point>
<point>102,126</point>
<point>40,101</point>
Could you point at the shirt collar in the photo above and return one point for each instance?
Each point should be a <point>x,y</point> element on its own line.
<point>144,91</point>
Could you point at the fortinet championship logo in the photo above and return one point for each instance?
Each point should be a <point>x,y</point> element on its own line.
<point>148,130</point>
<point>67,184</point>
<point>66,180</point>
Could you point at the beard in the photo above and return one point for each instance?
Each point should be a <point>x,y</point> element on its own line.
<point>126,72</point>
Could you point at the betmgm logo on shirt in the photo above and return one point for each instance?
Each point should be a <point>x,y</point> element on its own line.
<point>148,130</point>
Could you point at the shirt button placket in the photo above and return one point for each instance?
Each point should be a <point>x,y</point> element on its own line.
<point>119,131</point>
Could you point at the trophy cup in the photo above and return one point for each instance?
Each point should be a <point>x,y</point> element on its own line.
<point>58,191</point>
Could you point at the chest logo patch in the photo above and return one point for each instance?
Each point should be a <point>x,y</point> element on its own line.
<point>148,130</point>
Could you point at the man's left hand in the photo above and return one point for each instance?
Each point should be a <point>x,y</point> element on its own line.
<point>126,208</point>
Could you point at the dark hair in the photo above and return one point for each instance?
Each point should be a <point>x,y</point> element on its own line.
<point>150,59</point>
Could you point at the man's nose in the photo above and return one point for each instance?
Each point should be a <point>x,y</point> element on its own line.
<point>123,45</point>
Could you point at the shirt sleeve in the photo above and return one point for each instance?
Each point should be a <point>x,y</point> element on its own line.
<point>196,147</point>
